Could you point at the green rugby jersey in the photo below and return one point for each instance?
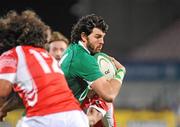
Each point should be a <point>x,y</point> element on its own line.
<point>80,69</point>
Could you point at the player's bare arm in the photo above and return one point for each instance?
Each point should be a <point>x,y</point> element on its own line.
<point>109,89</point>
<point>5,88</point>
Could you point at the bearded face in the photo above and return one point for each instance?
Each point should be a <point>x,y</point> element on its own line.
<point>95,41</point>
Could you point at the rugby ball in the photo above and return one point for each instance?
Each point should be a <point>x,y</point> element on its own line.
<point>105,65</point>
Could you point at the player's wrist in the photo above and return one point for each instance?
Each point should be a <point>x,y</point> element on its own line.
<point>120,73</point>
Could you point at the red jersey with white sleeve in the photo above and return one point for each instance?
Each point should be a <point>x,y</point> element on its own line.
<point>40,82</point>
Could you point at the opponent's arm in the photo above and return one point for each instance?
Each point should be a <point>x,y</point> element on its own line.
<point>12,102</point>
<point>5,88</point>
<point>9,99</point>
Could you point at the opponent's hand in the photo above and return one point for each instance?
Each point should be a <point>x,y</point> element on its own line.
<point>2,100</point>
<point>2,114</point>
<point>91,94</point>
<point>94,116</point>
<point>9,103</point>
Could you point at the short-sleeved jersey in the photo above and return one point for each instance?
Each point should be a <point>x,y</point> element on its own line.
<point>40,82</point>
<point>80,69</point>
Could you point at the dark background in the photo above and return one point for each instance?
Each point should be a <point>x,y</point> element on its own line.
<point>133,24</point>
<point>55,13</point>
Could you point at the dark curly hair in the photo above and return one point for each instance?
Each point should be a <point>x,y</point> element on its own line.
<point>86,25</point>
<point>22,29</point>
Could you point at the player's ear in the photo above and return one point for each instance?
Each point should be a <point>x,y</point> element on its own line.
<point>83,37</point>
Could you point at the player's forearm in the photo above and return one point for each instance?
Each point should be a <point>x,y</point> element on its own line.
<point>111,90</point>
<point>113,87</point>
<point>106,89</point>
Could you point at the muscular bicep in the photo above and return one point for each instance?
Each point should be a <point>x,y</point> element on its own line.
<point>5,88</point>
<point>106,89</point>
<point>101,87</point>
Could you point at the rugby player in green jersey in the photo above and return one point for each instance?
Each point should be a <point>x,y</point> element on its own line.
<point>80,67</point>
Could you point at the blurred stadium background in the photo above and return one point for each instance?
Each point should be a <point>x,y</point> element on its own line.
<point>144,36</point>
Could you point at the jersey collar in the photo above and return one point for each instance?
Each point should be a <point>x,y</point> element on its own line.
<point>81,44</point>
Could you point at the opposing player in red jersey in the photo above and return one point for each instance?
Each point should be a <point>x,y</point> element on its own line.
<point>35,75</point>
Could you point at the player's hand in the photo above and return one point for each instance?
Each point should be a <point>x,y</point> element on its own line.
<point>116,63</point>
<point>121,70</point>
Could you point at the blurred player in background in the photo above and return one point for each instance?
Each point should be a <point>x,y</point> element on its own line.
<point>57,45</point>
<point>82,71</point>
<point>35,75</point>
